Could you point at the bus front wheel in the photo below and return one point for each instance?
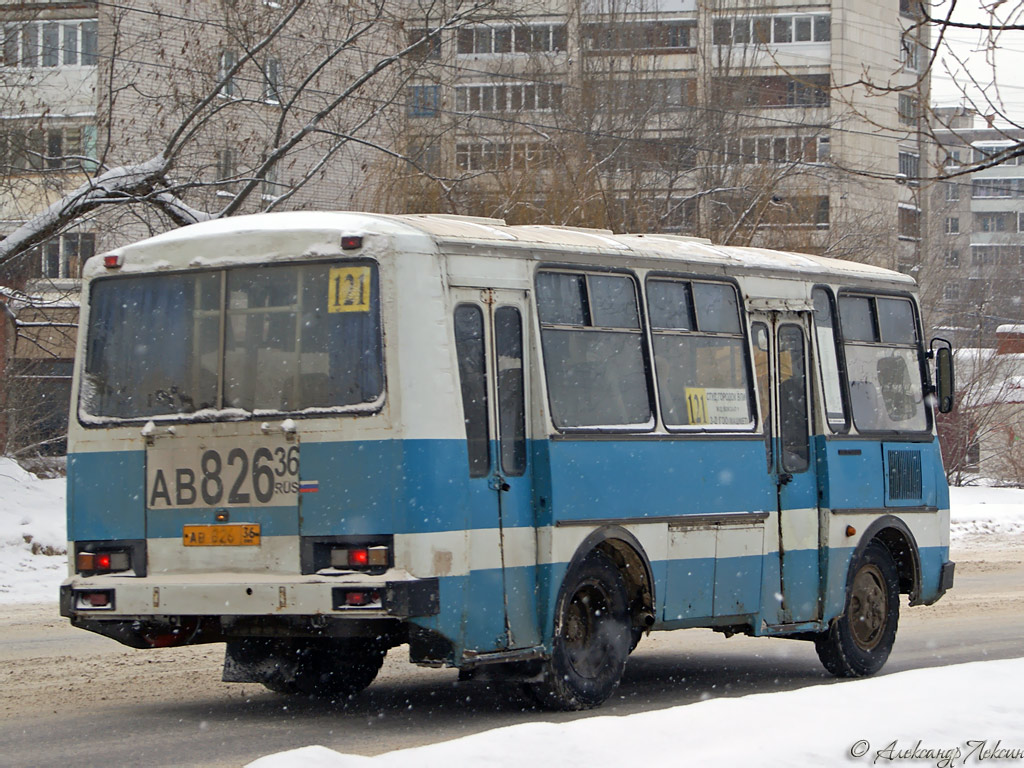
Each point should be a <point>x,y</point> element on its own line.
<point>591,640</point>
<point>858,641</point>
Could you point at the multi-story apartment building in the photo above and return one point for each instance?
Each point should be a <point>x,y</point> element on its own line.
<point>976,230</point>
<point>87,88</point>
<point>748,123</point>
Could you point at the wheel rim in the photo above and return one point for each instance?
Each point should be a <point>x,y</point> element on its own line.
<point>869,607</point>
<point>584,631</point>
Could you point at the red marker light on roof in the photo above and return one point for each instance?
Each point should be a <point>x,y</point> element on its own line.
<point>351,242</point>
<point>113,261</point>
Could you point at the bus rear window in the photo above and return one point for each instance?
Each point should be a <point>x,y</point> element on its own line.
<point>280,338</point>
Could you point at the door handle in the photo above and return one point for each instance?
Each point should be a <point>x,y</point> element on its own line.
<point>497,483</point>
<point>785,478</point>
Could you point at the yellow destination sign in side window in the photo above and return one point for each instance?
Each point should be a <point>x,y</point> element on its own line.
<point>349,289</point>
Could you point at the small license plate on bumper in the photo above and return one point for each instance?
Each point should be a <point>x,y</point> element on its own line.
<point>233,535</point>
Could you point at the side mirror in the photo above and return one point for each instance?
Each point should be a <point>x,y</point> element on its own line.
<point>944,379</point>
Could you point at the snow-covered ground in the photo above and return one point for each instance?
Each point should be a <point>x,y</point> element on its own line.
<point>33,536</point>
<point>943,717</point>
<point>944,713</point>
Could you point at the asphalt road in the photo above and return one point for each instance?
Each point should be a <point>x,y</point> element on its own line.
<point>74,698</point>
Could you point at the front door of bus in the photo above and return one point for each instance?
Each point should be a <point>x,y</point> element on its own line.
<point>782,359</point>
<point>489,340</point>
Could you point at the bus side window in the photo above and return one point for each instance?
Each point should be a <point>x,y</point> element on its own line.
<point>469,348</point>
<point>593,350</point>
<point>700,354</point>
<point>793,424</point>
<point>508,340</point>
<point>828,359</point>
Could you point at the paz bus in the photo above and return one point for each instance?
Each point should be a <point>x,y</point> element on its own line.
<point>514,449</point>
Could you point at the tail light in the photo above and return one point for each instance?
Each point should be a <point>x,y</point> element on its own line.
<point>375,558</point>
<point>103,562</point>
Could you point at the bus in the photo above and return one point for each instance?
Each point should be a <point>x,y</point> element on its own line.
<point>515,449</point>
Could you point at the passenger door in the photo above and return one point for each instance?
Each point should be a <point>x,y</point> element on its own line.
<point>781,344</point>
<point>490,338</point>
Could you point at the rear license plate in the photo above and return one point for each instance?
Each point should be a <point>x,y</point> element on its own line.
<point>235,535</point>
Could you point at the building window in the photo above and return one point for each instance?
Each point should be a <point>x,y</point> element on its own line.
<point>951,291</point>
<point>272,80</point>
<point>907,109</point>
<point>226,163</point>
<point>50,44</point>
<point>952,258</point>
<point>994,222</point>
<point>911,51</point>
<point>994,187</point>
<point>271,189</point>
<point>778,30</point>
<point>54,147</point>
<point>423,100</point>
<point>662,35</point>
<point>909,167</point>
<point>776,149</point>
<point>909,223</point>
<point>952,191</point>
<point>798,211</point>
<point>771,91</point>
<point>495,156</point>
<point>542,97</point>
<point>911,8</point>
<point>1007,255</point>
<point>952,225</point>
<point>225,65</point>
<point>533,38</point>
<point>64,256</point>
<point>424,47</point>
<point>985,152</point>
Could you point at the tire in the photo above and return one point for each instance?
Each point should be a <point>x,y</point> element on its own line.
<point>859,641</point>
<point>335,669</point>
<point>592,638</point>
<point>325,669</point>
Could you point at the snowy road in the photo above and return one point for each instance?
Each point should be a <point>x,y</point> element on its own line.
<point>71,694</point>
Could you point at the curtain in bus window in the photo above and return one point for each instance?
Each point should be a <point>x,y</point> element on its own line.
<point>149,346</point>
<point>593,350</point>
<point>701,367</point>
<point>882,364</point>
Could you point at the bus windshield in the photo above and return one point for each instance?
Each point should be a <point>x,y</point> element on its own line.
<point>279,338</point>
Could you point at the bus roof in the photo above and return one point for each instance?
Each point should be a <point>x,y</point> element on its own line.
<point>469,231</point>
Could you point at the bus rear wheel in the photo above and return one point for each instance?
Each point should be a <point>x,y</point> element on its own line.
<point>325,669</point>
<point>591,640</point>
<point>859,641</point>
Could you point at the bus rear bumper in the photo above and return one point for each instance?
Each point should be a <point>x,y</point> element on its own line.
<point>394,595</point>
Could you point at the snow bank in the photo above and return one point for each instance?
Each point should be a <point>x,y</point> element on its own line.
<point>948,711</point>
<point>979,510</point>
<point>33,537</point>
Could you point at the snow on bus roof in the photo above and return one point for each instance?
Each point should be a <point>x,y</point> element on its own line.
<point>469,229</point>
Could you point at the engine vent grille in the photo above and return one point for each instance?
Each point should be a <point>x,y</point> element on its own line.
<point>904,475</point>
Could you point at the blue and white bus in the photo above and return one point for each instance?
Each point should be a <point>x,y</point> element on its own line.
<point>516,449</point>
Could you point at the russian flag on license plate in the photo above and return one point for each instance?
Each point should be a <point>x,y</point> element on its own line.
<point>309,486</point>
